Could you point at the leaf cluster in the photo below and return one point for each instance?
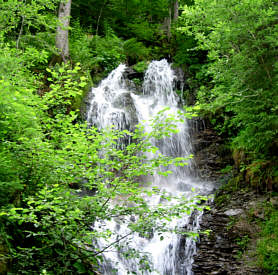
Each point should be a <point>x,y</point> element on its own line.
<point>59,179</point>
<point>240,38</point>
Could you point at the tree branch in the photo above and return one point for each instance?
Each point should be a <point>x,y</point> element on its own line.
<point>20,32</point>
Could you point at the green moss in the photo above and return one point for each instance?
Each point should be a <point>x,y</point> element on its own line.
<point>242,242</point>
<point>141,66</point>
<point>221,200</point>
<point>267,247</point>
<point>224,194</point>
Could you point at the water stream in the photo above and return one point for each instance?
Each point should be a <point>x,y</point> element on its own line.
<point>115,102</point>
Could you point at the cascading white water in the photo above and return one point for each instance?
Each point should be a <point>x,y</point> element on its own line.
<point>113,103</point>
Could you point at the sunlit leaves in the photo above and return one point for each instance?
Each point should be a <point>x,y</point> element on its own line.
<point>78,176</point>
<point>241,40</point>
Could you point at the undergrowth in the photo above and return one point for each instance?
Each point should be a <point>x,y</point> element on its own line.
<point>267,247</point>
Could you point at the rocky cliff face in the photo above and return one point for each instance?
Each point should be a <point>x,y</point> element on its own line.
<point>210,152</point>
<point>229,248</point>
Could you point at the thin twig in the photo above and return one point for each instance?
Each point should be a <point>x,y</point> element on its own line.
<point>20,32</point>
<point>117,241</point>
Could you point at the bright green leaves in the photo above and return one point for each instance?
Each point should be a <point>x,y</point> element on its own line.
<point>66,86</point>
<point>12,12</point>
<point>241,40</point>
<point>17,17</point>
<point>58,222</point>
<point>267,246</point>
<point>70,161</point>
<point>19,123</point>
<point>107,52</point>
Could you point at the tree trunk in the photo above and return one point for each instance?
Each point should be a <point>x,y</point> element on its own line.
<point>176,10</point>
<point>62,35</point>
<point>20,32</point>
<point>100,14</point>
<point>169,23</point>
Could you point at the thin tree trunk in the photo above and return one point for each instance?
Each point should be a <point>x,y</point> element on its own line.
<point>169,23</point>
<point>20,32</point>
<point>100,14</point>
<point>62,35</point>
<point>98,20</point>
<point>176,10</point>
<point>21,26</point>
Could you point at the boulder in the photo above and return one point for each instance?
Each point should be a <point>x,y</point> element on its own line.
<point>233,212</point>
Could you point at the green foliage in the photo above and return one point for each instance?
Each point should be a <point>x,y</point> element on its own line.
<point>54,225</point>
<point>27,14</point>
<point>30,25</point>
<point>242,242</point>
<point>42,41</point>
<point>131,19</point>
<point>135,51</point>
<point>58,223</point>
<point>65,86</point>
<point>227,169</point>
<point>127,18</point>
<point>46,152</point>
<point>144,31</point>
<point>19,121</point>
<point>267,247</point>
<point>140,67</point>
<point>191,59</point>
<point>107,52</point>
<point>186,52</point>
<point>240,37</point>
<point>80,50</point>
<point>14,64</point>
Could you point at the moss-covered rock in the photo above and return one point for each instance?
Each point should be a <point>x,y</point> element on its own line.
<point>260,175</point>
<point>239,158</point>
<point>3,258</point>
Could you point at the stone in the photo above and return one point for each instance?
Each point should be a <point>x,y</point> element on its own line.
<point>233,212</point>
<point>274,202</point>
<point>131,74</point>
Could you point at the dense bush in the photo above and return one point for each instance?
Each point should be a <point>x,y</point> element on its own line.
<point>240,37</point>
<point>268,244</point>
<point>51,161</point>
<point>107,52</point>
<point>135,51</point>
<point>80,50</point>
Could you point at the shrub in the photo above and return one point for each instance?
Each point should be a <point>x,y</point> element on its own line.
<point>135,51</point>
<point>267,247</point>
<point>107,52</point>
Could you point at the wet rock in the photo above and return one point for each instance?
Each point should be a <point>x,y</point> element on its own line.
<point>125,102</point>
<point>210,153</point>
<point>131,74</point>
<point>233,212</point>
<point>180,78</point>
<point>220,252</point>
<point>274,201</point>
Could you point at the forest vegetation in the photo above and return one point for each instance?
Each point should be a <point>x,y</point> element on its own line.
<point>52,52</point>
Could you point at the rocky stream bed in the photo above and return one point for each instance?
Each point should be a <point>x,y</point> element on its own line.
<point>232,220</point>
<point>230,246</point>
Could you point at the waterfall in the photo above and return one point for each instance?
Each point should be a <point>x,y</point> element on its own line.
<point>114,102</point>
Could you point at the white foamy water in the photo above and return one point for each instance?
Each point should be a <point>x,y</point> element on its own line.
<point>113,103</point>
